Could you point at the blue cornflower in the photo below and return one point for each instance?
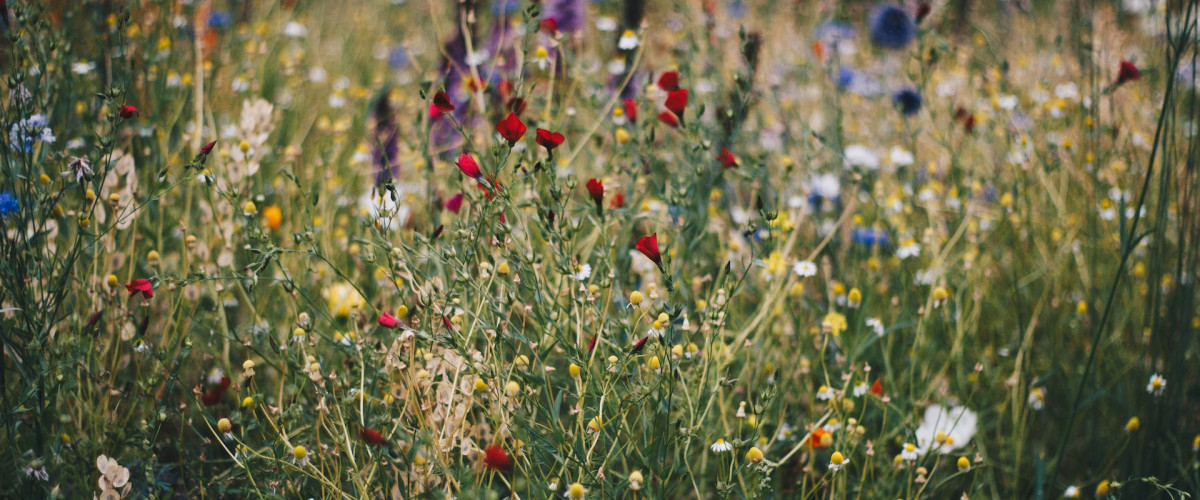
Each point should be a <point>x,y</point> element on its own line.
<point>23,133</point>
<point>891,27</point>
<point>908,101</point>
<point>845,77</point>
<point>8,204</point>
<point>220,19</point>
<point>870,237</point>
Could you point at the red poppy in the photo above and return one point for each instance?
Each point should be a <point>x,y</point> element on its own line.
<point>648,245</point>
<point>631,110</point>
<point>669,81</point>
<point>676,102</point>
<point>214,395</point>
<point>814,440</point>
<point>596,190</point>
<point>467,164</point>
<point>505,87</point>
<point>371,436</point>
<point>1128,72</point>
<point>386,320</point>
<point>142,286</point>
<point>618,200</point>
<point>495,458</point>
<point>454,204</point>
<point>441,101</point>
<point>877,388</point>
<point>548,139</point>
<point>204,151</point>
<point>128,111</point>
<point>511,129</point>
<point>727,159</point>
<point>549,26</point>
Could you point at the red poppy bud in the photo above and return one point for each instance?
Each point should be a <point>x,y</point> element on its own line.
<point>669,118</point>
<point>639,345</point>
<point>923,11</point>
<point>648,246</point>
<point>1128,72</point>
<point>128,111</point>
<point>142,286</point>
<point>386,320</point>
<point>592,343</point>
<point>371,436</point>
<point>466,163</point>
<point>511,129</point>
<point>204,151</point>
<point>596,190</point>
<point>446,323</point>
<point>727,159</point>
<point>495,458</point>
<point>631,110</point>
<point>877,388</point>
<point>548,139</point>
<point>669,81</point>
<point>441,101</point>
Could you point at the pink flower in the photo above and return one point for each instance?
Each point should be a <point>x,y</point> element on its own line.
<point>142,286</point>
<point>454,204</point>
<point>386,320</point>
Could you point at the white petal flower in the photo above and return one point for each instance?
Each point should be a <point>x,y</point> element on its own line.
<point>958,424</point>
<point>805,268</point>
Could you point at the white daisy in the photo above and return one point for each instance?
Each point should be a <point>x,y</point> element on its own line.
<point>629,40</point>
<point>805,268</point>
<point>1157,385</point>
<point>721,446</point>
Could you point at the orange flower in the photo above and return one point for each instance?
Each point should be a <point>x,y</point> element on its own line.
<point>274,216</point>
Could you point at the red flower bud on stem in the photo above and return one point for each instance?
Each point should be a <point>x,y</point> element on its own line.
<point>648,246</point>
<point>596,190</point>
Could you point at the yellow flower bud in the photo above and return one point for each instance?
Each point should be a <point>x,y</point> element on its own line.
<point>573,369</point>
<point>249,208</point>
<point>963,463</point>
<point>480,385</point>
<point>635,298</point>
<point>300,452</point>
<point>755,455</point>
<point>112,281</point>
<point>224,425</point>
<point>502,268</point>
<point>512,388</point>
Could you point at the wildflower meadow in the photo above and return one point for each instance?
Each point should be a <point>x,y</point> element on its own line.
<point>599,249</point>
